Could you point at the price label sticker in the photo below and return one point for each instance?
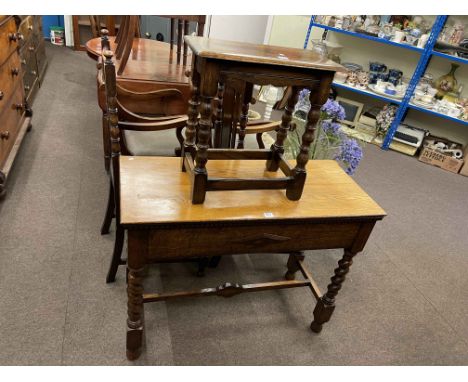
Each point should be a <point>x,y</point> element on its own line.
<point>268,214</point>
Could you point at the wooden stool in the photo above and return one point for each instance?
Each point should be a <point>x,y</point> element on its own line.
<point>216,61</point>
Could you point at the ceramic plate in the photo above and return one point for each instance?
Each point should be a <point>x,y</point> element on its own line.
<point>426,105</point>
<point>372,87</point>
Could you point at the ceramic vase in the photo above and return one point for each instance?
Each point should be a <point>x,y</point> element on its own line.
<point>446,83</point>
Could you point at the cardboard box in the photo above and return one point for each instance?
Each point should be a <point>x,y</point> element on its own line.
<point>439,159</point>
<point>464,169</point>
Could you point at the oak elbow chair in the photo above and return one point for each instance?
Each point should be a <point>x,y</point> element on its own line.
<point>117,130</point>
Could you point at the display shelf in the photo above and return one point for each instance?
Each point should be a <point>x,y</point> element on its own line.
<point>367,93</point>
<point>450,57</point>
<point>432,112</point>
<point>425,55</point>
<point>368,37</point>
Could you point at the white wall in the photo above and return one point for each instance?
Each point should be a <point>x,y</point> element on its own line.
<point>238,28</point>
<point>289,31</point>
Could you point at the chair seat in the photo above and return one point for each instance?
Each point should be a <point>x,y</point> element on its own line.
<point>149,61</point>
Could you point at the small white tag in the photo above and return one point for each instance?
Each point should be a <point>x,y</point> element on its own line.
<point>268,214</point>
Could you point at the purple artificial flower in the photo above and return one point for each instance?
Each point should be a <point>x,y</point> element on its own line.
<point>334,110</point>
<point>351,154</point>
<point>330,127</point>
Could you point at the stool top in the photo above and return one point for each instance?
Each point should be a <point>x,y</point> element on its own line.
<point>154,190</point>
<point>260,54</point>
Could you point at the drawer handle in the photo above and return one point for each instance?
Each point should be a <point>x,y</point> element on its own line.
<point>33,72</point>
<point>31,48</point>
<point>20,36</point>
<point>1,95</point>
<point>5,135</point>
<point>30,28</point>
<point>264,238</point>
<point>14,71</point>
<point>18,106</point>
<point>23,61</point>
<point>12,37</point>
<point>27,87</point>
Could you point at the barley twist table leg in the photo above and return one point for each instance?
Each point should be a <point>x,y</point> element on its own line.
<point>135,320</point>
<point>326,305</point>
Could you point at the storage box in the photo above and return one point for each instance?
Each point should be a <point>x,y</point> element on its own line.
<point>464,169</point>
<point>439,159</point>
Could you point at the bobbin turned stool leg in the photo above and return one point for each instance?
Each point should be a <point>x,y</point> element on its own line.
<point>192,123</point>
<point>208,89</point>
<point>317,98</point>
<point>244,114</point>
<point>326,304</point>
<point>277,148</point>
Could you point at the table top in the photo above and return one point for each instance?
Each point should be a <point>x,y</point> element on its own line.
<point>259,54</point>
<point>155,190</point>
<point>149,60</point>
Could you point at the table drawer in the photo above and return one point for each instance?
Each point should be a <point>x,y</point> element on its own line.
<point>181,243</point>
<point>10,76</point>
<point>11,118</point>
<point>8,38</point>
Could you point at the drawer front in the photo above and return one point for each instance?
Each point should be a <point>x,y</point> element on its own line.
<point>182,243</point>
<point>10,76</point>
<point>12,118</point>
<point>7,44</point>
<point>41,58</point>
<point>26,30</point>
<point>30,81</point>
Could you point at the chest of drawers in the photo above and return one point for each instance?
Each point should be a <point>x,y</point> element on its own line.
<point>15,114</point>
<point>32,55</point>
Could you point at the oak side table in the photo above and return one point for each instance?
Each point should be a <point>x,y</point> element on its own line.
<point>215,62</point>
<point>164,225</point>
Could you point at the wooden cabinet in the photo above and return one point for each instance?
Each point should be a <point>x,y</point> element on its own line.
<point>32,55</point>
<point>15,114</point>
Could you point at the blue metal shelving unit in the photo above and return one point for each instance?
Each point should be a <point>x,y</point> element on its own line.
<point>425,56</point>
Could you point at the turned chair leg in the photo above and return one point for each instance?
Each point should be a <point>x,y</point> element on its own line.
<point>116,256</point>
<point>105,227</point>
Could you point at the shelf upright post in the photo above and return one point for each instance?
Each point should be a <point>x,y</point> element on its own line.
<point>312,20</point>
<point>420,69</point>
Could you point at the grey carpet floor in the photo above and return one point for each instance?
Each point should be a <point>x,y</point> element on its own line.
<point>405,300</point>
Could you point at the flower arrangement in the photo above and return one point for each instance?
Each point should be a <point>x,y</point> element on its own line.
<point>330,141</point>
